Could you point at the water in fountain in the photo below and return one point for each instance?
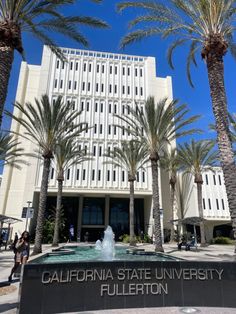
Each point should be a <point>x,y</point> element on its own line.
<point>98,245</point>
<point>108,244</point>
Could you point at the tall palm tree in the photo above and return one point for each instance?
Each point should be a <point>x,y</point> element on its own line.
<point>131,156</point>
<point>43,124</point>
<point>195,158</point>
<point>156,127</point>
<point>205,25</point>
<point>10,152</point>
<point>66,154</point>
<point>40,18</point>
<point>170,163</point>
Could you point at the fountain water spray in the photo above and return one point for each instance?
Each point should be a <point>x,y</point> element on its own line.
<point>107,246</point>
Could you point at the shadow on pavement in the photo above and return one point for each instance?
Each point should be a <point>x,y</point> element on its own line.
<point>8,306</point>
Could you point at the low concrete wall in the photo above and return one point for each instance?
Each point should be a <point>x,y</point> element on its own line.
<point>71,287</point>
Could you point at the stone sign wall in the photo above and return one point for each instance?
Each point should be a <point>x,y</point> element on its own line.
<point>70,287</point>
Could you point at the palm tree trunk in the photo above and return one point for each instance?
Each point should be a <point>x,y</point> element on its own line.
<point>156,207</point>
<point>58,212</point>
<point>172,202</point>
<point>131,215</point>
<point>6,60</point>
<point>215,69</point>
<point>200,210</point>
<point>42,206</point>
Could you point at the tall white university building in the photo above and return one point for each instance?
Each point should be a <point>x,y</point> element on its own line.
<point>95,194</point>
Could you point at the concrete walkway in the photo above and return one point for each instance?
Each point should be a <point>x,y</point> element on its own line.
<point>9,301</point>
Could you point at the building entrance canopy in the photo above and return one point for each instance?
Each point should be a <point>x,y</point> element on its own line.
<point>8,220</point>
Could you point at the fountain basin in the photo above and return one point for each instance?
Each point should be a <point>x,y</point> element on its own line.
<point>50,286</point>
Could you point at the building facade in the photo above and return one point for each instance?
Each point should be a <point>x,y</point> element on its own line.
<point>214,200</point>
<point>95,194</point>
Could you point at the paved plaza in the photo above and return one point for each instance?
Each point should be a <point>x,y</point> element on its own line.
<point>9,301</point>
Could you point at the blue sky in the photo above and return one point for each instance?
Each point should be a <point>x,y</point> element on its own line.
<point>198,99</point>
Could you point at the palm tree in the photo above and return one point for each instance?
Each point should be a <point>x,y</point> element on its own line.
<point>195,158</point>
<point>170,163</point>
<point>207,25</point>
<point>66,154</point>
<point>131,156</point>
<point>10,152</point>
<point>39,18</point>
<point>43,124</point>
<point>156,127</point>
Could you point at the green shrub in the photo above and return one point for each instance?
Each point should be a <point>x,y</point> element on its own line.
<point>222,240</point>
<point>125,238</point>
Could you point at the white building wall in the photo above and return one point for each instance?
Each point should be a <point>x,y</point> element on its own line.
<point>101,85</point>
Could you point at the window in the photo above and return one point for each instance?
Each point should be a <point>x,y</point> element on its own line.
<point>85,149</point>
<point>115,69</point>
<point>82,105</point>
<point>73,105</point>
<point>87,107</point>
<point>93,175</point>
<point>52,173</point>
<point>206,176</point>
<point>69,85</point>
<point>141,72</point>
<point>128,71</point>
<point>90,67</point>
<point>100,151</point>
<point>96,87</point>
<point>114,130</point>
<point>83,86</point>
<point>61,83</point>
<point>128,90</point>
<point>209,203</point>
<point>109,108</point>
<point>103,68</point>
<point>100,128</point>
<point>68,174</point>
<point>84,174</point>
<point>115,107</point>
<point>217,204</point>
<point>77,174</point>
<point>94,150</point>
<point>214,179</point>
<point>123,109</point>
<point>128,108</point>
<point>109,129</point>
<point>101,107</point>
<point>84,66</point>
<point>128,130</point>
<point>86,130</point>
<point>136,72</point>
<point>143,176</point>
<point>204,203</point>
<point>71,65</point>
<point>76,66</point>
<point>96,106</point>
<point>219,179</point>
<point>55,84</point>
<point>58,62</point>
<point>137,176</point>
<point>110,88</point>
<point>115,90</point>
<point>93,211</point>
<point>141,91</point>
<point>223,204</point>
<point>114,175</point>
<point>108,175</point>
<point>95,128</point>
<point>123,70</point>
<point>123,130</point>
<point>89,87</point>
<point>99,175</point>
<point>123,89</point>
<point>97,68</point>
<point>102,88</point>
<point>63,65</point>
<point>136,90</point>
<point>110,69</point>
<point>123,176</point>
